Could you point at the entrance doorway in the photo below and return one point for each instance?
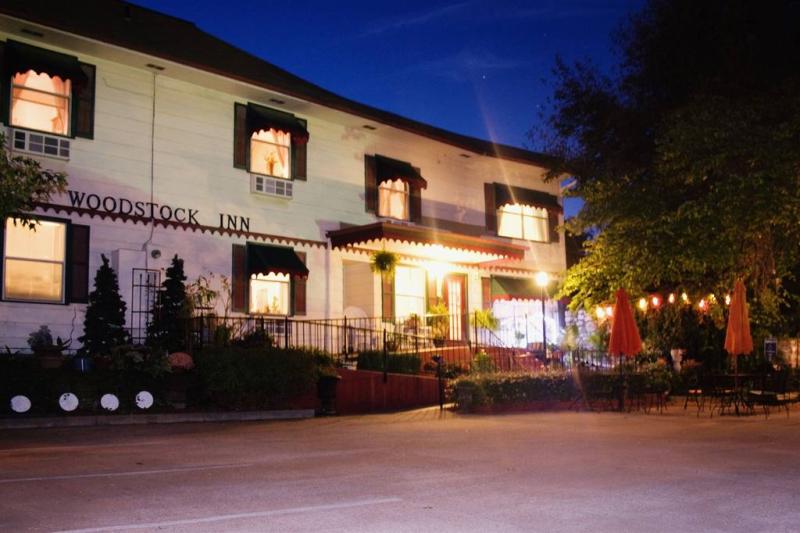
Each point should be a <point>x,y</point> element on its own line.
<point>455,297</point>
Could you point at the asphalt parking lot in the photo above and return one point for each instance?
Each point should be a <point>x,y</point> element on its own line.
<point>414,471</point>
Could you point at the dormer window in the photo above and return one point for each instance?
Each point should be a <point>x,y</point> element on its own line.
<point>41,102</point>
<point>393,199</point>
<point>522,213</point>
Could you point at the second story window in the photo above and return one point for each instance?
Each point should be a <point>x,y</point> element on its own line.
<point>40,102</point>
<point>34,261</point>
<point>47,92</point>
<point>393,199</point>
<point>270,153</point>
<point>522,222</point>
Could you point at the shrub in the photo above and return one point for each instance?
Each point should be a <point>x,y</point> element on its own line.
<point>236,377</point>
<point>515,388</point>
<point>395,363</point>
<point>483,363</point>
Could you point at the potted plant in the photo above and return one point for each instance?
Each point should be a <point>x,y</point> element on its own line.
<point>439,322</point>
<point>383,262</point>
<point>49,353</point>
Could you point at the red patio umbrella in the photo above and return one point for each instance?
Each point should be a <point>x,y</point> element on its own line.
<point>737,336</point>
<point>625,340</point>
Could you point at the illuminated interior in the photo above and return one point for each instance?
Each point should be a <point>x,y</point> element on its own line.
<point>40,102</point>
<point>269,153</point>
<point>393,199</point>
<point>269,294</point>
<point>522,222</point>
<point>34,262</point>
<point>409,289</point>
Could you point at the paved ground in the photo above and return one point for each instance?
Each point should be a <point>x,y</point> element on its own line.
<point>416,471</point>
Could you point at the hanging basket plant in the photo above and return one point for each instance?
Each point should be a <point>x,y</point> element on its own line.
<point>383,262</point>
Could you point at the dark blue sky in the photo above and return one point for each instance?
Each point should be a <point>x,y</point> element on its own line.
<point>478,67</point>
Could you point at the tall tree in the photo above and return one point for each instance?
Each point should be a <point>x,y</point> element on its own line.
<point>167,330</point>
<point>688,155</point>
<point>104,323</point>
<point>23,183</point>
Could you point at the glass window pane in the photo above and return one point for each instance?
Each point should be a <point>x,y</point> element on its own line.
<point>393,199</point>
<point>46,242</point>
<point>40,102</point>
<point>31,280</point>
<point>269,294</point>
<point>509,221</point>
<point>269,153</point>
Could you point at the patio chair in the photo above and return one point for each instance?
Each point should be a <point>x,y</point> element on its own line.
<point>772,392</point>
<point>697,389</point>
<point>722,392</point>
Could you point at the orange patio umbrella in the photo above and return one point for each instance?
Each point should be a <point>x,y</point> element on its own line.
<point>625,338</point>
<point>737,337</point>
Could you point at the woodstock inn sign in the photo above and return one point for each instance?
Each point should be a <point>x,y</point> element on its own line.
<point>117,205</point>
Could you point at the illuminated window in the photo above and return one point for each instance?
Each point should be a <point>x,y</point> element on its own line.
<point>39,102</point>
<point>393,199</point>
<point>33,262</point>
<point>269,153</point>
<point>522,222</point>
<point>409,291</point>
<point>269,294</point>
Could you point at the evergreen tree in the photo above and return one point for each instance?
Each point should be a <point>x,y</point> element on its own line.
<point>104,323</point>
<point>167,329</point>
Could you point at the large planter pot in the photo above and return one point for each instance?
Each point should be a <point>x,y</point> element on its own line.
<point>178,384</point>
<point>326,392</point>
<point>465,393</point>
<point>49,360</point>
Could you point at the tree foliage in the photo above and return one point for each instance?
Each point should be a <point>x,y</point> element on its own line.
<point>167,330</point>
<point>23,183</point>
<point>687,156</point>
<point>104,323</point>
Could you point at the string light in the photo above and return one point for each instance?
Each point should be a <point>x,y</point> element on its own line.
<point>656,301</point>
<point>671,298</point>
<point>600,312</point>
<point>702,304</point>
<point>685,298</point>
<point>727,299</point>
<point>643,304</point>
<point>609,311</point>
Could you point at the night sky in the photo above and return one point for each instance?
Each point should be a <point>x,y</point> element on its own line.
<point>478,67</point>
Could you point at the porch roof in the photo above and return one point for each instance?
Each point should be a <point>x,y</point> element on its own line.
<point>428,243</point>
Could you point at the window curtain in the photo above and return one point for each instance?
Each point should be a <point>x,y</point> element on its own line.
<point>393,199</point>
<point>47,110</point>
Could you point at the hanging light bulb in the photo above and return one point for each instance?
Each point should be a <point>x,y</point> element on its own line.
<point>600,312</point>
<point>702,304</point>
<point>609,311</point>
<point>655,300</point>
<point>643,304</point>
<point>685,297</point>
<point>671,298</point>
<point>727,299</point>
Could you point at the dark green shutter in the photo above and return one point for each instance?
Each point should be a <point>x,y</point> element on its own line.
<point>370,185</point>
<point>83,105</point>
<point>387,291</point>
<point>490,207</point>
<point>5,86</point>
<point>239,278</point>
<point>299,161</point>
<point>240,138</point>
<point>552,225</point>
<point>415,200</point>
<point>299,290</point>
<point>486,293</point>
<point>77,264</point>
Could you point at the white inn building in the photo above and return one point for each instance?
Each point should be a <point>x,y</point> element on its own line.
<point>175,142</point>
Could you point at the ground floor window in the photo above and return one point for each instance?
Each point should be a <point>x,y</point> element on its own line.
<point>269,294</point>
<point>409,291</point>
<point>33,261</point>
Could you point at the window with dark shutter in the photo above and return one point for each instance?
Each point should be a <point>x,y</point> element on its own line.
<point>415,205</point>
<point>5,87</point>
<point>263,140</point>
<point>78,267</point>
<point>299,288</point>
<point>239,278</point>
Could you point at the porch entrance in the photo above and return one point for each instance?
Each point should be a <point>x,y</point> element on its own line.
<point>455,298</point>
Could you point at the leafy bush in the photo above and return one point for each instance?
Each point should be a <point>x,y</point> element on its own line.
<point>515,388</point>
<point>483,363</point>
<point>236,377</point>
<point>396,363</point>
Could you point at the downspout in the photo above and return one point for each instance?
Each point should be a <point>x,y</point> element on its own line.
<point>152,173</point>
